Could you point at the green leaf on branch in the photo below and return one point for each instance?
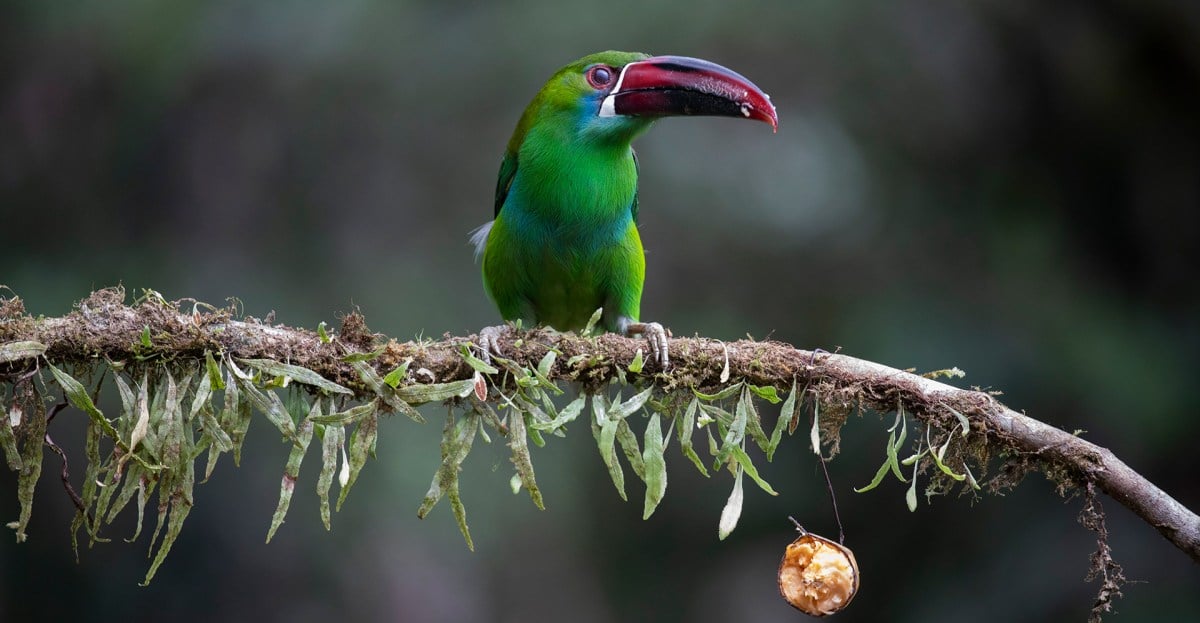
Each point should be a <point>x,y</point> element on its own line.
<point>604,429</point>
<point>629,447</point>
<point>457,437</point>
<point>721,395</point>
<point>520,456</point>
<point>685,431</point>
<point>785,415</point>
<point>79,397</point>
<point>567,415</point>
<point>939,454</point>
<point>291,471</point>
<point>746,465</point>
<point>476,363</point>
<point>296,373</point>
<point>892,462</point>
<point>768,393</point>
<point>388,395</point>
<point>269,404</point>
<point>655,465</point>
<point>635,366</point>
<point>394,378</point>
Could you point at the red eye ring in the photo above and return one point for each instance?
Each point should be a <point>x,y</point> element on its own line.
<point>600,76</point>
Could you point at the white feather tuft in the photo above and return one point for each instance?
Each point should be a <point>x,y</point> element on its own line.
<point>479,237</point>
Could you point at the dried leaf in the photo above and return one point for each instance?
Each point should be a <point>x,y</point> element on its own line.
<point>733,508</point>
<point>334,433</point>
<point>16,351</point>
<point>141,412</point>
<point>910,497</point>
<point>725,368</point>
<point>8,439</point>
<point>418,393</point>
<point>362,441</point>
<point>90,487</point>
<point>894,448</point>
<point>181,505</point>
<point>269,404</point>
<point>292,470</point>
<point>962,420</point>
<point>349,416</point>
<point>31,460</point>
<point>814,436</point>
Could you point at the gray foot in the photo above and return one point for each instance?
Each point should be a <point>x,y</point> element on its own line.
<point>489,342</point>
<point>656,335</point>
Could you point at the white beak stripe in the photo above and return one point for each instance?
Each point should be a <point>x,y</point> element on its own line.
<point>608,108</point>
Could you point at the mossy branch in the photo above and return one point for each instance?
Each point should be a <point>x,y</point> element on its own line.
<point>103,329</point>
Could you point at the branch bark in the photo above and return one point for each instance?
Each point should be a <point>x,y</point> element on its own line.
<point>103,326</point>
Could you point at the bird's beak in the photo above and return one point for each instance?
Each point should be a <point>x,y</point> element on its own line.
<point>678,85</point>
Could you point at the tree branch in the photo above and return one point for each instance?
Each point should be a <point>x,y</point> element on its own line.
<point>102,326</point>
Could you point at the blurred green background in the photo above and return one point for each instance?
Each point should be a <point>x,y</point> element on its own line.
<point>1008,187</point>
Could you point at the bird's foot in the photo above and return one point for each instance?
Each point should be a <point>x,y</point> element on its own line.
<point>657,336</point>
<point>489,342</point>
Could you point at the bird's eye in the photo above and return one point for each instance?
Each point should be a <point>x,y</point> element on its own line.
<point>599,76</point>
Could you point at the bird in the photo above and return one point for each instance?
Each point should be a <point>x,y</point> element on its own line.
<point>564,239</point>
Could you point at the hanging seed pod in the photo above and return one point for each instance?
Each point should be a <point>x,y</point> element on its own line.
<point>817,576</point>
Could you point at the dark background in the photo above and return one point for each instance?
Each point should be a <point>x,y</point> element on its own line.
<point>1007,187</point>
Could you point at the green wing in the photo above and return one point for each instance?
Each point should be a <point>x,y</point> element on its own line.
<point>508,171</point>
<point>636,172</point>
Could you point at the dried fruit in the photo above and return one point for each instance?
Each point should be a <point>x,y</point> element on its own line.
<point>818,576</point>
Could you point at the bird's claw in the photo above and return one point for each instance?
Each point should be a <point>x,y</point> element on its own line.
<point>656,335</point>
<point>489,342</point>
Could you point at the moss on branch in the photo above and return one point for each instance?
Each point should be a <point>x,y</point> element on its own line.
<point>191,375</point>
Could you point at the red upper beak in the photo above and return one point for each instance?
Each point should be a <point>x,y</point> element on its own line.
<point>678,85</point>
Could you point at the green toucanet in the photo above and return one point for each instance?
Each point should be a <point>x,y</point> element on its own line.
<point>565,241</point>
